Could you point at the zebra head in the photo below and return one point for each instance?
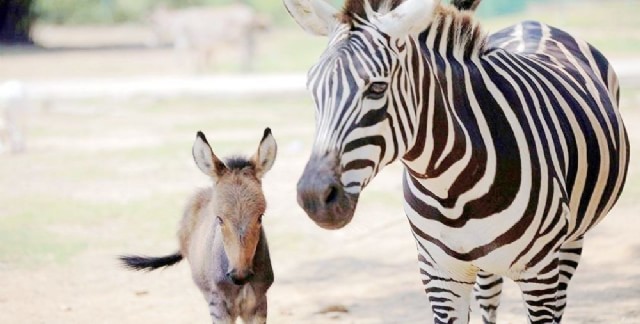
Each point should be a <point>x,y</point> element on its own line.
<point>361,85</point>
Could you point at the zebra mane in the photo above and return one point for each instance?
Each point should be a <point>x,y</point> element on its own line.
<point>358,8</point>
<point>466,32</point>
<point>467,36</point>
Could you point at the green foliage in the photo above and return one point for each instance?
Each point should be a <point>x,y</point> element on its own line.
<point>112,11</point>
<point>15,21</point>
<point>500,7</point>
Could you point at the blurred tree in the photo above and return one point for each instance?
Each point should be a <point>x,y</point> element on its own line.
<point>496,8</point>
<point>15,21</point>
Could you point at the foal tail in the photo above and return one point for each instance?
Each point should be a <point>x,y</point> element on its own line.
<point>136,262</point>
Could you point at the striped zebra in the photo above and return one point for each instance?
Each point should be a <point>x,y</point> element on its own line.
<point>513,145</point>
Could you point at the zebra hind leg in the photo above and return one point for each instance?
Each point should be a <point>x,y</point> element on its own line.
<point>570,253</point>
<point>487,292</point>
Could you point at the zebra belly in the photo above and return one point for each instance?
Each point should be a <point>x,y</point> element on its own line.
<point>506,243</point>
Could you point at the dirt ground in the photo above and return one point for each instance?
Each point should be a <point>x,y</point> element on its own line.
<point>110,163</point>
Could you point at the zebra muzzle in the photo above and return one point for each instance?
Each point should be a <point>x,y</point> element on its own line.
<point>322,196</point>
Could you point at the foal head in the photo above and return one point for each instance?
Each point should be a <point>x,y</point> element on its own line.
<point>238,201</point>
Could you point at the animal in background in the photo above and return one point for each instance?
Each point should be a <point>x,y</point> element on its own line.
<point>204,32</point>
<point>222,237</point>
<point>13,116</point>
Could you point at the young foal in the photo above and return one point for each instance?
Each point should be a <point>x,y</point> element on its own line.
<point>222,237</point>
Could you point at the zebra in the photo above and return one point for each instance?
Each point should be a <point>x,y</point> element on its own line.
<point>512,143</point>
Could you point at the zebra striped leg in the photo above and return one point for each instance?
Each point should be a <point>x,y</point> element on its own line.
<point>449,297</point>
<point>539,293</point>
<point>218,308</point>
<point>487,292</point>
<point>570,253</point>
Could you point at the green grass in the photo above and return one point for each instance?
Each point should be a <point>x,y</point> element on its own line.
<point>49,229</point>
<point>35,246</point>
<point>44,228</point>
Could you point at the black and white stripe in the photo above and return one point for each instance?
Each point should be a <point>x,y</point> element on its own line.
<point>513,146</point>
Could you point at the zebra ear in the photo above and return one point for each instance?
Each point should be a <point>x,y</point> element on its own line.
<point>411,16</point>
<point>314,16</point>
<point>264,158</point>
<point>206,161</point>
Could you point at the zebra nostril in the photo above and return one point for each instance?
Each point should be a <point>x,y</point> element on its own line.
<point>331,195</point>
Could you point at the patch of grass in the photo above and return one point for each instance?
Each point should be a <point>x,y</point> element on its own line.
<point>29,246</point>
<point>30,234</point>
<point>41,230</point>
<point>289,50</point>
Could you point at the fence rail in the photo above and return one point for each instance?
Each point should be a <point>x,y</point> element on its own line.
<point>222,86</point>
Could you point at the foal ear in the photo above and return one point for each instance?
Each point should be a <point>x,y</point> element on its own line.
<point>266,154</point>
<point>208,162</point>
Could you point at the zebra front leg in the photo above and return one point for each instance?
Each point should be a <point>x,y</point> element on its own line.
<point>449,297</point>
<point>487,292</point>
<point>539,293</point>
<point>218,308</point>
<point>570,253</point>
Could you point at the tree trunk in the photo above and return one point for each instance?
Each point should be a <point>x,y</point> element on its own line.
<point>15,21</point>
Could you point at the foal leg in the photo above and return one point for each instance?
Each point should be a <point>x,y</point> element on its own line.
<point>218,308</point>
<point>487,292</point>
<point>570,253</point>
<point>259,314</point>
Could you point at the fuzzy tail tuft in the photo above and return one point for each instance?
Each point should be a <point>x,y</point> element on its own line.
<point>135,262</point>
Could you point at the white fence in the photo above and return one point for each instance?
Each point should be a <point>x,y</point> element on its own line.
<point>225,86</point>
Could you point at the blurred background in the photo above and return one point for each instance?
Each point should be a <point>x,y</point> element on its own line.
<point>100,101</point>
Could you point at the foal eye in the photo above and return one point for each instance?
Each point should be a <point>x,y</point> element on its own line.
<point>376,90</point>
<point>219,220</point>
<point>260,219</point>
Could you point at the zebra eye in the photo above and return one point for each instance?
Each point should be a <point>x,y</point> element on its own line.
<point>376,90</point>
<point>219,220</point>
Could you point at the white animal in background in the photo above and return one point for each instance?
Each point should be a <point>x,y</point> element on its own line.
<point>13,116</point>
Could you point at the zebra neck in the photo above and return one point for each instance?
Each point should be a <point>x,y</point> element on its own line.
<point>445,142</point>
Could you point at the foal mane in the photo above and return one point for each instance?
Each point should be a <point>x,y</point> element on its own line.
<point>238,162</point>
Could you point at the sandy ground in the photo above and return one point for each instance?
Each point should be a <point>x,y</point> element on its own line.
<point>367,269</point>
